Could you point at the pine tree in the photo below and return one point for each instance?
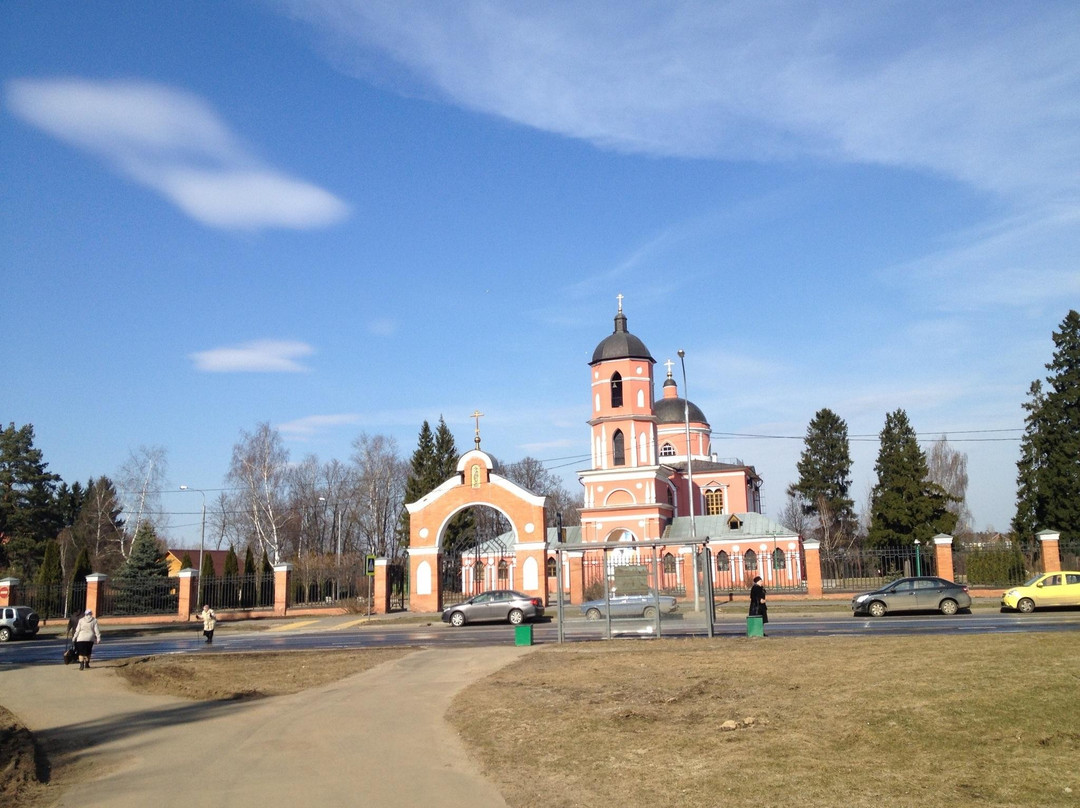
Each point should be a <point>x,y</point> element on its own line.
<point>232,564</point>
<point>905,506</point>
<point>825,478</point>
<point>50,582</point>
<point>137,581</point>
<point>186,563</point>
<point>421,476</point>
<point>460,532</point>
<point>29,515</point>
<point>99,525</point>
<point>77,584</point>
<point>1048,472</point>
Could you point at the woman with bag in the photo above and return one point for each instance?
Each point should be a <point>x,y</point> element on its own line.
<point>209,620</point>
<point>86,634</point>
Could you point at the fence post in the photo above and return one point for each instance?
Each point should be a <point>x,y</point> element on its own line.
<point>943,556</point>
<point>814,588</point>
<point>188,582</point>
<point>282,576</point>
<point>1051,550</point>
<point>9,591</point>
<point>95,591</point>
<point>380,600</point>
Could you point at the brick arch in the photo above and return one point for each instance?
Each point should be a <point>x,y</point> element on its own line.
<point>475,483</point>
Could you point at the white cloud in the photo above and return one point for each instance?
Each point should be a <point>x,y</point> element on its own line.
<point>989,95</point>
<point>174,143</point>
<point>260,356</point>
<point>382,327</point>
<point>310,425</point>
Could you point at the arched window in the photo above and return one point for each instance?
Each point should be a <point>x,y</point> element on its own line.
<point>618,448</point>
<point>667,450</point>
<point>714,501</point>
<point>616,389</point>
<point>504,572</point>
<point>779,560</point>
<point>478,576</point>
<point>723,563</point>
<point>669,563</point>
<point>552,569</point>
<point>750,560</point>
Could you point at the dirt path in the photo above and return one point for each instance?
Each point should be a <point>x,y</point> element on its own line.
<point>377,738</point>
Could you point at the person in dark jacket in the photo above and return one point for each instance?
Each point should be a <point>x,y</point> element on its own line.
<point>758,607</point>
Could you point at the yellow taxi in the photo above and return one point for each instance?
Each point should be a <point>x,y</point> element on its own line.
<point>1046,589</point>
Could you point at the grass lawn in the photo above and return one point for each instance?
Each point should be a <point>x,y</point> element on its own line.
<point>907,721</point>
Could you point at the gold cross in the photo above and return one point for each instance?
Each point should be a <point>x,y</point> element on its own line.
<point>620,303</point>
<point>669,364</point>
<point>477,415</point>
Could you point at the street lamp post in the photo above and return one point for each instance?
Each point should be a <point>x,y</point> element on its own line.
<point>202,541</point>
<point>918,559</point>
<point>690,480</point>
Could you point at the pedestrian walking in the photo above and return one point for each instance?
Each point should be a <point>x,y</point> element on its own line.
<point>209,621</point>
<point>72,624</point>
<point>87,634</point>
<point>758,607</point>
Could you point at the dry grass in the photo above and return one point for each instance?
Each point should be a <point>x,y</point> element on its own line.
<point>905,721</point>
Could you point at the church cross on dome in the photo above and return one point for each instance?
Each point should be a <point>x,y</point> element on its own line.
<point>477,415</point>
<point>669,364</point>
<point>620,298</point>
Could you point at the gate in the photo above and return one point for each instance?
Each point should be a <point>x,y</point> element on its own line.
<point>481,568</point>
<point>397,584</point>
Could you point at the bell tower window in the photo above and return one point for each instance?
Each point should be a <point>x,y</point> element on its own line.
<point>618,448</point>
<point>616,390</point>
<point>667,450</point>
<point>714,502</point>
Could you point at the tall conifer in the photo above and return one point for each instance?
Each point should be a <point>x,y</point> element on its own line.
<point>825,477</point>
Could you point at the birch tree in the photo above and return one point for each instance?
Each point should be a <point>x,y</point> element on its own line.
<point>259,471</point>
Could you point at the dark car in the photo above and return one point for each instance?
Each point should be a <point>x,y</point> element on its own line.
<point>921,594</point>
<point>17,621</point>
<point>498,604</point>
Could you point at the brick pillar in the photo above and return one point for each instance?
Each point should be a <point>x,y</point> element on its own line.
<point>812,550</point>
<point>188,593</point>
<point>9,591</point>
<point>425,582</point>
<point>282,578</point>
<point>380,601</point>
<point>95,591</point>
<point>1051,552</point>
<point>943,556</point>
<point>577,577</point>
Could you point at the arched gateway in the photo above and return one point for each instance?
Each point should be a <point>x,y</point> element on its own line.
<point>475,484</point>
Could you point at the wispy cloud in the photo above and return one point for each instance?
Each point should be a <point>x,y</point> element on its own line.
<point>984,94</point>
<point>174,143</point>
<point>260,356</point>
<point>311,425</point>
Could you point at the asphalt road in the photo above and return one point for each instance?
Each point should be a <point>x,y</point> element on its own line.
<point>335,632</point>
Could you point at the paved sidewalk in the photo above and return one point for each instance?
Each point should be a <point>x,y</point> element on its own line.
<point>374,739</point>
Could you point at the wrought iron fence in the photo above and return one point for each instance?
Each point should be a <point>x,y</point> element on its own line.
<point>329,582</point>
<point>141,597</point>
<point>252,591</point>
<point>995,564</point>
<point>857,569</point>
<point>780,570</point>
<point>48,600</point>
<point>397,582</point>
<point>1069,552</point>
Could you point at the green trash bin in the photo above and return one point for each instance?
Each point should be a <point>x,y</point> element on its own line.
<point>523,634</point>
<point>755,626</point>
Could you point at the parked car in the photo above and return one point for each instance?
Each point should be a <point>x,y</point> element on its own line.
<point>498,604</point>
<point>17,621</point>
<point>1046,589</point>
<point>629,606</point>
<point>923,593</point>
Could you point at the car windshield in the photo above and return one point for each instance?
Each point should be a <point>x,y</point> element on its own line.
<point>1032,581</point>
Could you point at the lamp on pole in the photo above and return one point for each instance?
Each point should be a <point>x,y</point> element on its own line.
<point>202,540</point>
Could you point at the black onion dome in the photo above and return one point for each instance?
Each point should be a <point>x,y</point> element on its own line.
<point>621,345</point>
<point>673,411</point>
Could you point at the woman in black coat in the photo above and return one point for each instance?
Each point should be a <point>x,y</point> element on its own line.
<point>758,607</point>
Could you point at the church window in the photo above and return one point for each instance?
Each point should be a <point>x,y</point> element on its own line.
<point>669,564</point>
<point>552,569</point>
<point>504,572</point>
<point>714,501</point>
<point>779,560</point>
<point>667,450</point>
<point>618,448</point>
<point>723,563</point>
<point>750,560</point>
<point>616,390</point>
<point>734,523</point>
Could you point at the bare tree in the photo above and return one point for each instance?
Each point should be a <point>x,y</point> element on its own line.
<point>531,475</point>
<point>379,479</point>
<point>948,468</point>
<point>141,480</point>
<point>259,470</point>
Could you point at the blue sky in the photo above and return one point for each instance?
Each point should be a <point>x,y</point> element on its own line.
<point>342,217</point>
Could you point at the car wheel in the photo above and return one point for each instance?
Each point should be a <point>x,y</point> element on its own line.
<point>1026,605</point>
<point>517,617</point>
<point>650,613</point>
<point>5,634</point>
<point>593,614</point>
<point>948,606</point>
<point>877,609</point>
<point>457,619</point>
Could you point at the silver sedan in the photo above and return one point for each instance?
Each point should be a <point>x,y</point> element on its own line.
<point>630,606</point>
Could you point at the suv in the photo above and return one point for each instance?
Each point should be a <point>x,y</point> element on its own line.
<point>17,621</point>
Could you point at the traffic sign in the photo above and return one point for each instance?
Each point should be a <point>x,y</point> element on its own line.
<point>371,566</point>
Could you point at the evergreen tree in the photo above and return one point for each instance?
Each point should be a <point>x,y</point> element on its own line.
<point>905,506</point>
<point>249,561</point>
<point>825,478</point>
<point>138,579</point>
<point>50,582</point>
<point>460,532</point>
<point>1048,472</point>
<point>29,515</point>
<point>249,590</point>
<point>421,478</point>
<point>186,562</point>
<point>77,584</point>
<point>232,564</point>
<point>99,525</point>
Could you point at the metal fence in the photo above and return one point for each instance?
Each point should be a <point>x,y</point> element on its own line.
<point>54,600</point>
<point>856,569</point>
<point>328,583</point>
<point>252,591</point>
<point>1069,551</point>
<point>141,597</point>
<point>780,570</point>
<point>995,564</point>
